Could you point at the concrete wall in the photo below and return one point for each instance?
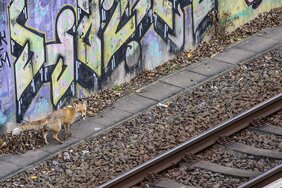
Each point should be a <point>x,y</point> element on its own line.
<point>242,11</point>
<point>54,50</point>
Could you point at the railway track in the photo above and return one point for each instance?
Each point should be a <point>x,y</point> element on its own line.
<point>208,143</point>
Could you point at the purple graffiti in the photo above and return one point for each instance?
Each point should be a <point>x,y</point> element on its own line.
<point>4,57</point>
<point>254,3</point>
<point>2,38</point>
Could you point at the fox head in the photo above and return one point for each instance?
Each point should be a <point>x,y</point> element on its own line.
<point>81,108</point>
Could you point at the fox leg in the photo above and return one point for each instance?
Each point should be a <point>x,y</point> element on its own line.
<point>45,133</point>
<point>55,136</point>
<point>66,130</point>
<point>67,133</point>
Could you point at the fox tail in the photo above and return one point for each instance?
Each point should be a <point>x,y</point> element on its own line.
<point>27,127</point>
<point>17,131</point>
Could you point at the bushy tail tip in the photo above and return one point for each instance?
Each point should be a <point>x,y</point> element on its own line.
<point>16,131</point>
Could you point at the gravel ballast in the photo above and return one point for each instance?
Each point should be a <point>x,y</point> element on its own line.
<point>187,173</point>
<point>160,128</point>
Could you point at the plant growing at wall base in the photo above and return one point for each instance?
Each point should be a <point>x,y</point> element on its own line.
<point>222,22</point>
<point>117,88</point>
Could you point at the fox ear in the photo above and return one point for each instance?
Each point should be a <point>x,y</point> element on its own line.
<point>85,103</point>
<point>74,105</point>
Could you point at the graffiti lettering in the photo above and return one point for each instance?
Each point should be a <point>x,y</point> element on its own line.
<point>63,53</point>
<point>142,8</point>
<point>2,38</point>
<point>4,57</point>
<point>163,9</point>
<point>254,3</point>
<point>125,22</point>
<point>201,20</point>
<point>27,46</point>
<point>114,38</point>
<point>88,44</point>
<point>57,50</point>
<point>92,43</point>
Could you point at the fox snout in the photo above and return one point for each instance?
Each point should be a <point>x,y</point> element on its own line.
<point>83,115</point>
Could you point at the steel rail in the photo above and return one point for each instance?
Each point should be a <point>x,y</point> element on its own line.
<point>265,178</point>
<point>196,144</point>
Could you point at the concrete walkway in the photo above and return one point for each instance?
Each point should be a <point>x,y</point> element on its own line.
<point>159,91</point>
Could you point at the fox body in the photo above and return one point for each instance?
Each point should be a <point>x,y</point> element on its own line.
<point>54,121</point>
<point>68,115</point>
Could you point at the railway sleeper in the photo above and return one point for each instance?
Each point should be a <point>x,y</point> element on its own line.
<point>255,151</point>
<point>166,183</point>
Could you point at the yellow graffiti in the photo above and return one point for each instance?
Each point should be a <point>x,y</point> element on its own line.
<point>23,36</point>
<point>78,38</point>
<point>88,43</point>
<point>142,7</point>
<point>200,10</point>
<point>164,10</point>
<point>63,74</point>
<point>123,5</point>
<point>23,70</point>
<point>58,85</point>
<point>114,39</point>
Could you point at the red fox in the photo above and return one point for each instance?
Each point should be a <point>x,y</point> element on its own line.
<point>69,114</point>
<point>54,121</point>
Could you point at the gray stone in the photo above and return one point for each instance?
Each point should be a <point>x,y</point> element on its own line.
<point>184,79</point>
<point>30,157</point>
<point>160,91</point>
<point>7,169</point>
<point>234,55</point>
<point>209,67</point>
<point>111,117</point>
<point>257,44</point>
<point>134,103</point>
<point>55,146</point>
<point>86,128</point>
<point>272,33</point>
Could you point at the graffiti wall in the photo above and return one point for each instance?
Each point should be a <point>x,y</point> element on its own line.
<point>242,11</point>
<point>54,50</point>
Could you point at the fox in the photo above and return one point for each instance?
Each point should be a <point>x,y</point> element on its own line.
<point>54,122</point>
<point>68,115</point>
